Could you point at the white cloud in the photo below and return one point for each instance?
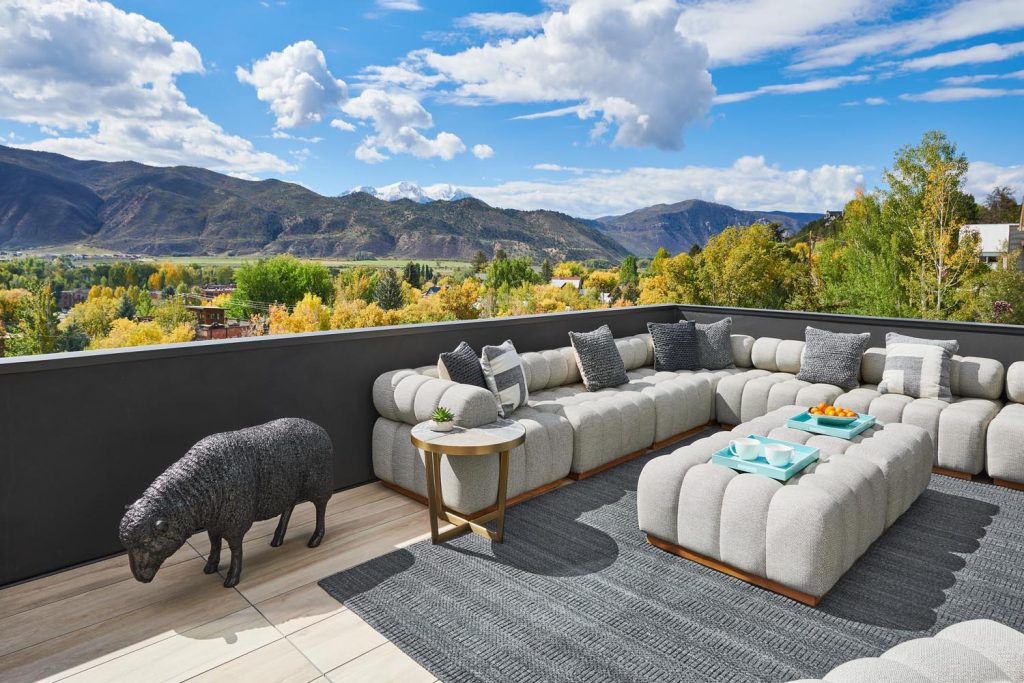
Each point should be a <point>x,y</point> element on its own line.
<point>296,83</point>
<point>875,101</point>
<point>815,85</point>
<point>483,151</point>
<point>740,31</point>
<point>281,135</point>
<point>400,5</point>
<point>983,177</point>
<point>964,19</point>
<point>621,62</point>
<point>503,23</point>
<point>979,54</point>
<point>960,94</point>
<point>343,125</point>
<point>109,76</point>
<point>750,183</point>
<point>969,80</point>
<point>397,119</point>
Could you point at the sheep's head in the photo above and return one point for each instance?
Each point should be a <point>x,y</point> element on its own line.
<point>150,536</point>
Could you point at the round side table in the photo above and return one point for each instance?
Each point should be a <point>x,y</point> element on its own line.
<point>498,437</point>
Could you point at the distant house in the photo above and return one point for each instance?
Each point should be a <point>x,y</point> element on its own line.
<point>998,240</point>
<point>208,315</point>
<point>213,291</point>
<point>70,297</point>
<point>431,291</point>
<point>574,282</point>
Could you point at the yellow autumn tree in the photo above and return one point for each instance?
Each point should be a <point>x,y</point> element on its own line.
<point>570,269</point>
<point>94,316</point>
<point>309,315</point>
<point>124,332</point>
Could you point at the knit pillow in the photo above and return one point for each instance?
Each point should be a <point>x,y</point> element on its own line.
<point>833,357</point>
<point>503,371</point>
<point>598,359</point>
<point>918,367</point>
<point>462,366</point>
<point>675,346</point>
<point>714,345</point>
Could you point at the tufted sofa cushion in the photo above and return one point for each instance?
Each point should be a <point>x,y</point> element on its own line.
<point>409,397</point>
<point>1015,382</point>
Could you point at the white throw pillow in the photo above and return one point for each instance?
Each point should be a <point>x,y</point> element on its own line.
<point>503,371</point>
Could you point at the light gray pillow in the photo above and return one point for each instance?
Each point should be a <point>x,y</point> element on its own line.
<point>714,345</point>
<point>503,371</point>
<point>598,359</point>
<point>833,357</point>
<point>918,367</point>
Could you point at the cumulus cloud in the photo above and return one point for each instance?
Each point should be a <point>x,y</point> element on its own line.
<point>979,54</point>
<point>960,94</point>
<point>108,77</point>
<point>749,183</point>
<point>740,31</point>
<point>815,85</point>
<point>296,83</point>
<point>503,23</point>
<point>963,20</point>
<point>983,177</point>
<point>483,151</point>
<point>623,64</point>
<point>397,120</point>
<point>343,125</point>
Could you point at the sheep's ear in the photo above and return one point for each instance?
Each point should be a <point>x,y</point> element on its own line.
<point>161,525</point>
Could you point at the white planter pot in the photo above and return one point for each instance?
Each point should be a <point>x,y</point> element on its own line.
<point>441,426</point>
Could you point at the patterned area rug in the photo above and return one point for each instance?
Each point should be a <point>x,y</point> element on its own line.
<point>576,594</point>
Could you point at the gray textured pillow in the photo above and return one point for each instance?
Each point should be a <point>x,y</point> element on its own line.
<point>833,357</point>
<point>714,345</point>
<point>918,367</point>
<point>598,359</point>
<point>462,366</point>
<point>503,370</point>
<point>675,346</point>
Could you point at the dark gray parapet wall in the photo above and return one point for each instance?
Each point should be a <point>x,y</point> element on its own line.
<point>1005,343</point>
<point>83,434</point>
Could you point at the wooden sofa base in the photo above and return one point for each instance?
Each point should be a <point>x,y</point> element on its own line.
<point>1005,483</point>
<point>526,495</point>
<point>967,476</point>
<point>752,579</point>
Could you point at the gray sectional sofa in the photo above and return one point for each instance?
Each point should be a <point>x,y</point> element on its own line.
<point>572,432</point>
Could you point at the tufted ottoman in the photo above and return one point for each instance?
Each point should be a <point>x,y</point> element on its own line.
<point>796,538</point>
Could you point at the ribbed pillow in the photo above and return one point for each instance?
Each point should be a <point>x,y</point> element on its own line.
<point>918,367</point>
<point>503,370</point>
<point>675,346</point>
<point>462,366</point>
<point>714,345</point>
<point>598,359</point>
<point>833,357</point>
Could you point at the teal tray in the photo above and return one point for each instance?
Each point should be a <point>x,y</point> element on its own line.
<point>803,456</point>
<point>809,423</point>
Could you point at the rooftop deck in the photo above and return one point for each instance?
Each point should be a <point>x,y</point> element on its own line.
<point>96,623</point>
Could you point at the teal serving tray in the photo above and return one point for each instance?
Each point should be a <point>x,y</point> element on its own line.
<point>802,457</point>
<point>809,423</point>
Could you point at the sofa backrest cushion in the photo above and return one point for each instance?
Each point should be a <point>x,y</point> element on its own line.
<point>742,345</point>
<point>1015,382</point>
<point>777,355</point>
<point>970,376</point>
<point>872,365</point>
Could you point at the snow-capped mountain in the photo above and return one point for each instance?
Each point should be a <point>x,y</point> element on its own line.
<point>407,189</point>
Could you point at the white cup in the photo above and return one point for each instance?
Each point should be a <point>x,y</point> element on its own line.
<point>745,449</point>
<point>777,454</point>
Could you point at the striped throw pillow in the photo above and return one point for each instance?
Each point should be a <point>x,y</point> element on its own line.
<point>503,370</point>
<point>918,367</point>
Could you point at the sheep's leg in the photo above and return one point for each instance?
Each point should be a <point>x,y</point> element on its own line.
<point>321,513</point>
<point>213,559</point>
<point>235,570</point>
<point>282,527</point>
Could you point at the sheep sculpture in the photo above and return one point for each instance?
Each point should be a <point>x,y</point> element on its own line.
<point>224,484</point>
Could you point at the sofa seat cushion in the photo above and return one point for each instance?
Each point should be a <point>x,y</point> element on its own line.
<point>607,424</point>
<point>470,484</point>
<point>963,428</point>
<point>1004,444</point>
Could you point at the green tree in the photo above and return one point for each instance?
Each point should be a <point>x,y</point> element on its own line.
<point>511,273</point>
<point>695,250</point>
<point>411,274</point>
<point>388,292</point>
<point>126,307</point>
<point>72,338</point>
<point>546,271</point>
<point>479,262</point>
<point>500,255</point>
<point>628,273</point>
<point>284,280</point>
<point>1000,207</point>
<point>171,313</point>
<point>36,331</point>
<point>746,267</point>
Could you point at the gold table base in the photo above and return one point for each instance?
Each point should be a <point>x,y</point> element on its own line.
<point>435,501</point>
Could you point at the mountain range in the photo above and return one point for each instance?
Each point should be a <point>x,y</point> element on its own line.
<point>50,200</point>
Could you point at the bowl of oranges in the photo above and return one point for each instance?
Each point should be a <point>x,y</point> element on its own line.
<point>832,415</point>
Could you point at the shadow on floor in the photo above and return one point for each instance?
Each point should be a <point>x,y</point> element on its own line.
<point>903,578</point>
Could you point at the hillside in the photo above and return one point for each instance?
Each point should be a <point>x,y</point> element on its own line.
<point>49,200</point>
<point>677,227</point>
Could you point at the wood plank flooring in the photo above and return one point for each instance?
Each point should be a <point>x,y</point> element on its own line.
<point>96,623</point>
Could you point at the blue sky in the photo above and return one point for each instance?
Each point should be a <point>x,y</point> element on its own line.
<point>761,104</point>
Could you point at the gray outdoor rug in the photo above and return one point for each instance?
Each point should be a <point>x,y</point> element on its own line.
<point>576,594</point>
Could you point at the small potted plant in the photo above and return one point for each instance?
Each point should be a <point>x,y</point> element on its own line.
<point>442,420</point>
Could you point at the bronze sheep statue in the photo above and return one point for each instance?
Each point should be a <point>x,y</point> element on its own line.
<point>224,484</point>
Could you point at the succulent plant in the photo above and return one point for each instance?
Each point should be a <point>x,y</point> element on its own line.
<point>442,414</point>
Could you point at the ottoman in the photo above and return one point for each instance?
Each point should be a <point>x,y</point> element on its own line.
<point>796,538</point>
